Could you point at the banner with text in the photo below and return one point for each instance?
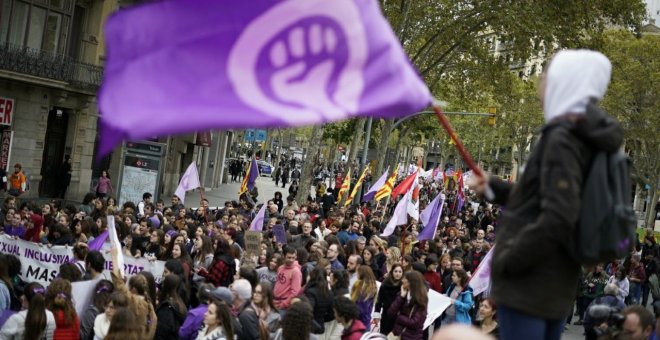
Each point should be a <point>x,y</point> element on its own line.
<point>41,263</point>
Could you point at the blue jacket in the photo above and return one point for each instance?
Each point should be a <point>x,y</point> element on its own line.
<point>463,304</point>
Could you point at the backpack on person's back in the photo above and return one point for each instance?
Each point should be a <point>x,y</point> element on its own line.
<point>606,228</point>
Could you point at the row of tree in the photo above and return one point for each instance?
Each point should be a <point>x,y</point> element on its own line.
<point>465,50</point>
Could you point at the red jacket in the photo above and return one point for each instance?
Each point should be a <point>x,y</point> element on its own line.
<point>433,278</point>
<point>355,332</point>
<point>64,331</point>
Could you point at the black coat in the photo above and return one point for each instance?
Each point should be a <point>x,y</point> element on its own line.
<point>170,320</point>
<point>533,270</point>
<point>321,307</point>
<point>386,296</point>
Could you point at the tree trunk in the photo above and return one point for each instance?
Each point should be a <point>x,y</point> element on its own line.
<point>650,211</point>
<point>385,132</point>
<point>307,172</point>
<point>397,152</point>
<point>357,140</point>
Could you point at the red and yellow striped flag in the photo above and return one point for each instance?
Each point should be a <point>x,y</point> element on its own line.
<point>344,186</point>
<point>356,188</point>
<point>386,190</point>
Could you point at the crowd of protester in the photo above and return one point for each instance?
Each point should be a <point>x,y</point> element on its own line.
<point>335,278</point>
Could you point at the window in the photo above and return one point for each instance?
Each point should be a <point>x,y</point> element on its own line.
<point>37,24</point>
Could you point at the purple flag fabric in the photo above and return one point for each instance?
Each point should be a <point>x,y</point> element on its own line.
<point>430,218</point>
<point>253,175</point>
<point>258,221</point>
<point>376,186</point>
<point>97,243</point>
<point>179,66</point>
<point>480,281</point>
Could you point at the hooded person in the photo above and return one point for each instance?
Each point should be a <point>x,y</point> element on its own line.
<point>533,273</point>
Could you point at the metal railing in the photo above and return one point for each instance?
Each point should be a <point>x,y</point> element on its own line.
<point>50,65</point>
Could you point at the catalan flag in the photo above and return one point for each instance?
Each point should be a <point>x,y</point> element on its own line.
<point>344,186</point>
<point>356,187</point>
<point>251,175</point>
<point>386,190</point>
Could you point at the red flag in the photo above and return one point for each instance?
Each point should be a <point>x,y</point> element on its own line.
<point>404,186</point>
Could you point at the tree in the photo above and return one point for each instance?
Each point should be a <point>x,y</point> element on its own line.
<point>451,42</point>
<point>633,98</point>
<point>308,164</point>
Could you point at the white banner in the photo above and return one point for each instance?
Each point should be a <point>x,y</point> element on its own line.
<point>437,305</point>
<point>41,263</point>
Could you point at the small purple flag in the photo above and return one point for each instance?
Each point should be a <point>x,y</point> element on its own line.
<point>399,216</point>
<point>376,186</point>
<point>97,243</point>
<point>180,66</point>
<point>430,218</point>
<point>258,221</point>
<point>280,234</point>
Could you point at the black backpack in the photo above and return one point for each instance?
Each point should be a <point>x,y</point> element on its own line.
<point>606,228</point>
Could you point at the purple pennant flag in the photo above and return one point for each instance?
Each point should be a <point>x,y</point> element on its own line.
<point>280,234</point>
<point>258,221</point>
<point>179,66</point>
<point>97,243</point>
<point>430,218</point>
<point>253,175</point>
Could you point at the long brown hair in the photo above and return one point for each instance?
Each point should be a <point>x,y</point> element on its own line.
<point>35,320</point>
<point>365,286</point>
<point>169,292</point>
<point>223,314</point>
<point>417,288</point>
<point>267,295</point>
<point>58,297</point>
<point>124,325</point>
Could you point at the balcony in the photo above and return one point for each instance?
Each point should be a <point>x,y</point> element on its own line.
<point>48,65</point>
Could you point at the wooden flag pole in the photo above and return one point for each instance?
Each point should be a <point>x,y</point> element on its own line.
<point>457,141</point>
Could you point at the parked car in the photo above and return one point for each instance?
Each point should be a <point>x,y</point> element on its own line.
<point>266,169</point>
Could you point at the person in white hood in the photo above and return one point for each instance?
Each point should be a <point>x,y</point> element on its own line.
<point>534,277</point>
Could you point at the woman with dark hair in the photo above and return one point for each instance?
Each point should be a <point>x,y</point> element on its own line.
<point>102,292</point>
<point>102,321</point>
<point>386,295</point>
<point>60,302</point>
<point>320,297</point>
<point>268,273</point>
<point>264,306</point>
<point>174,267</point>
<point>223,266</point>
<point>217,323</point>
<point>180,253</point>
<point>369,259</point>
<point>70,272</point>
<point>347,314</point>
<point>203,247</point>
<point>461,299</point>
<point>296,323</point>
<point>407,262</point>
<point>34,321</point>
<point>171,311</point>
<point>151,287</point>
<point>104,185</point>
<point>277,199</point>
<point>409,307</point>
<point>125,325</point>
<point>156,245</point>
<point>487,318</point>
<point>99,210</point>
<point>339,282</point>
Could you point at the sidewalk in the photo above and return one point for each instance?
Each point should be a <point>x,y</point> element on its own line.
<point>229,192</point>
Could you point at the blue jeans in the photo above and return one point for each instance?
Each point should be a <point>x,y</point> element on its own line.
<point>515,325</point>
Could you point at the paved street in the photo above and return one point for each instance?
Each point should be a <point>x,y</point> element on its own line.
<point>229,191</point>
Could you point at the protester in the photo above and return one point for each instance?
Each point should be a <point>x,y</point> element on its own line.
<point>320,297</point>
<point>217,322</point>
<point>264,307</point>
<point>60,301</point>
<point>100,300</point>
<point>527,263</point>
<point>34,321</point>
<point>289,280</point>
<point>171,310</point>
<point>102,322</point>
<point>409,307</point>
<point>297,323</point>
<point>347,314</point>
<point>125,325</point>
<point>487,318</point>
<point>364,294</point>
<point>387,293</point>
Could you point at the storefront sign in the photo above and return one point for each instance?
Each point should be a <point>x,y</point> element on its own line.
<point>5,147</point>
<point>6,110</point>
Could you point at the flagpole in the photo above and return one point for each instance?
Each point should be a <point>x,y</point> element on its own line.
<point>457,141</point>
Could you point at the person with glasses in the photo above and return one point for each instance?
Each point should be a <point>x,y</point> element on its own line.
<point>263,304</point>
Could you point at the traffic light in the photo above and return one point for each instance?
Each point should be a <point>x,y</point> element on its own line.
<point>493,118</point>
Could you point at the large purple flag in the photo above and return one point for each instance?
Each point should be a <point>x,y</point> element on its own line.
<point>430,218</point>
<point>480,281</point>
<point>376,186</point>
<point>179,66</point>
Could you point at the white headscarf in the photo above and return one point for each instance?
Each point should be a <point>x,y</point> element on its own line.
<point>575,76</point>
